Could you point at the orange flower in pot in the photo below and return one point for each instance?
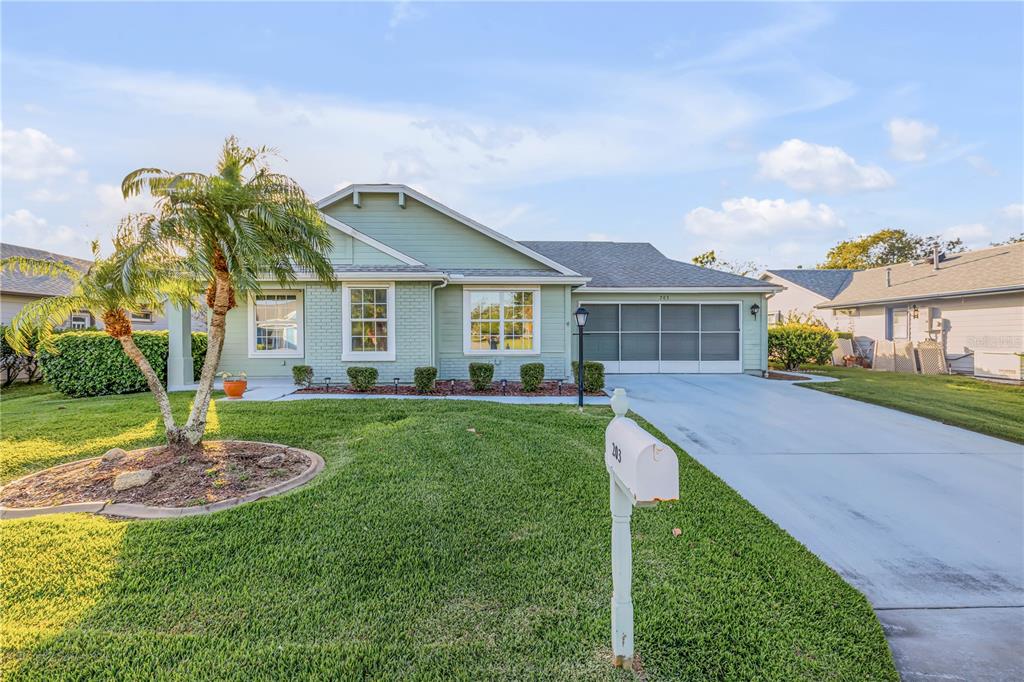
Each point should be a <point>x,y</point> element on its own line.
<point>234,385</point>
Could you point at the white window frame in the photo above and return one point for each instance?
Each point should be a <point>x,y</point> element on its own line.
<point>300,318</point>
<point>86,320</point>
<point>144,316</point>
<point>349,355</point>
<point>467,339</point>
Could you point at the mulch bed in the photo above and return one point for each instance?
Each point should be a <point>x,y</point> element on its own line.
<point>220,470</point>
<point>513,388</point>
<point>782,376</point>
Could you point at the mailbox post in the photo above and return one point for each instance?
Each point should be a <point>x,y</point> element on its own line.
<point>642,471</point>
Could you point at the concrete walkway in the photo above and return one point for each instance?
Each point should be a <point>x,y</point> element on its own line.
<point>925,519</point>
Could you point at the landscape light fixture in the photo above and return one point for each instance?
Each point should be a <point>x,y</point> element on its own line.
<point>504,386</point>
<point>581,315</point>
<point>396,385</point>
<point>327,383</point>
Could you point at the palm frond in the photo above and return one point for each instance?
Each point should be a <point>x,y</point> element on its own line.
<point>40,267</point>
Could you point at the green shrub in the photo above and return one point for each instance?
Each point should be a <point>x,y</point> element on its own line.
<point>92,363</point>
<point>199,344</point>
<point>531,375</point>
<point>844,335</point>
<point>302,375</point>
<point>793,344</point>
<point>593,375</point>
<point>362,378</point>
<point>89,363</point>
<point>424,378</point>
<point>481,374</point>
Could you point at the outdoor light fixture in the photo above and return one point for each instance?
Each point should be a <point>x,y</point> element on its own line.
<point>914,311</point>
<point>581,315</point>
<point>559,383</point>
<point>396,385</point>
<point>452,387</point>
<point>754,309</point>
<point>504,386</point>
<point>327,383</point>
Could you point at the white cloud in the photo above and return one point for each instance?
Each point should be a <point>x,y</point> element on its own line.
<point>404,12</point>
<point>974,235</point>
<point>111,206</point>
<point>910,139</point>
<point>1013,211</point>
<point>24,228</point>
<point>747,217</point>
<point>30,154</point>
<point>981,164</point>
<point>813,167</point>
<point>45,195</point>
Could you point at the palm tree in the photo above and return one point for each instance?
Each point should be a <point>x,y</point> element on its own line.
<point>104,292</point>
<point>227,232</point>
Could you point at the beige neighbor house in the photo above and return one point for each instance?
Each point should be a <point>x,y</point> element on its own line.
<point>18,289</point>
<point>804,291</point>
<point>971,303</point>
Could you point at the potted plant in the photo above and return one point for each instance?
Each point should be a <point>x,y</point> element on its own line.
<point>234,385</point>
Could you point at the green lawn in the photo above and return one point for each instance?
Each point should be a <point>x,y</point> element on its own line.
<point>982,406</point>
<point>423,551</point>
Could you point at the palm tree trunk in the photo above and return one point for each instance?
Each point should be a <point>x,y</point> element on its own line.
<point>195,427</point>
<point>174,435</point>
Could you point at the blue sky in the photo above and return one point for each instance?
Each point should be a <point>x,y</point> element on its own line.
<point>765,131</point>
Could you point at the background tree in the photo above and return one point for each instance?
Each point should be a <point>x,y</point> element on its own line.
<point>709,259</point>
<point>106,293</point>
<point>1016,239</point>
<point>885,247</point>
<point>228,231</point>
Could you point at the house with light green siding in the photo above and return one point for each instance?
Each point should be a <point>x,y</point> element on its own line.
<point>418,284</point>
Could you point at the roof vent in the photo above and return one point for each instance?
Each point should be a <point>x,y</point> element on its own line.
<point>888,277</point>
<point>936,257</point>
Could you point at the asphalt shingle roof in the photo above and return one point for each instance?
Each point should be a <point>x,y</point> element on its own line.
<point>825,283</point>
<point>16,282</point>
<point>635,265</point>
<point>996,268</point>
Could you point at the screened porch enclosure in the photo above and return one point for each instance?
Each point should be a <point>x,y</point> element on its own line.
<point>664,337</point>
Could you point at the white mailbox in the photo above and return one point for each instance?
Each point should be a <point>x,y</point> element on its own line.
<point>644,466</point>
<point>642,471</point>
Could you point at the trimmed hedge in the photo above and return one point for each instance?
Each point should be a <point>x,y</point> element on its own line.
<point>593,375</point>
<point>84,363</point>
<point>424,378</point>
<point>531,375</point>
<point>795,343</point>
<point>362,378</point>
<point>481,374</point>
<point>302,375</point>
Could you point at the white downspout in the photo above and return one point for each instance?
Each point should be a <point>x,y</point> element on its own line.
<point>433,321</point>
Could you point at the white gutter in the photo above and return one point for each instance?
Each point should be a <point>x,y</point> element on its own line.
<point>433,326</point>
<point>926,297</point>
<point>770,288</point>
<point>471,279</point>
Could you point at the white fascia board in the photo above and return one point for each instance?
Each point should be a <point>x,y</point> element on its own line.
<point>926,297</point>
<point>451,213</point>
<point>367,239</point>
<point>456,279</point>
<point>680,290</point>
<point>375,276</point>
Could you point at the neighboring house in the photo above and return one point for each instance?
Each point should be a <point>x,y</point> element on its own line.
<point>972,303</point>
<point>420,284</point>
<point>804,290</point>
<point>17,289</point>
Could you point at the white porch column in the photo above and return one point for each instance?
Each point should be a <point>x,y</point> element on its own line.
<point>179,351</point>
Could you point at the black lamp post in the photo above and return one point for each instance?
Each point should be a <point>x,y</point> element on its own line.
<point>581,321</point>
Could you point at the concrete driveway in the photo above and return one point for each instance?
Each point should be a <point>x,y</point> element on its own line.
<point>925,519</point>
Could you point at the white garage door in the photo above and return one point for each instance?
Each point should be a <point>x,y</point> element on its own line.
<point>631,338</point>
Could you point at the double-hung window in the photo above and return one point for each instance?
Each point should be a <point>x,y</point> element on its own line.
<point>368,321</point>
<point>275,324</point>
<point>505,321</point>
